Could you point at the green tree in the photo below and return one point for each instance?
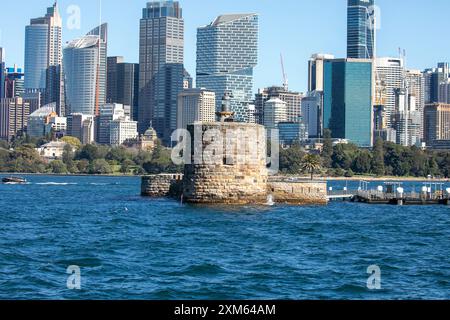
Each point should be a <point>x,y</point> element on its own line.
<point>142,157</point>
<point>83,166</point>
<point>118,154</point>
<point>363,162</point>
<point>161,162</point>
<point>58,167</point>
<point>92,152</point>
<point>343,156</point>
<point>311,163</point>
<point>327,151</point>
<point>26,159</point>
<point>378,158</point>
<point>73,141</point>
<point>126,166</point>
<point>100,166</point>
<point>291,159</point>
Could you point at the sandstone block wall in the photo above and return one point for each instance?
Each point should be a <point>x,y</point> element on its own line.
<point>162,185</point>
<point>299,192</point>
<point>231,168</point>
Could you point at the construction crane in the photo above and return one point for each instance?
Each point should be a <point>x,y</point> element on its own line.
<point>285,78</point>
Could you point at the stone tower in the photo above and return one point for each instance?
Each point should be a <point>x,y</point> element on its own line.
<point>228,163</point>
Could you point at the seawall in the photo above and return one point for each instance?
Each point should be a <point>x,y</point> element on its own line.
<point>162,185</point>
<point>299,192</point>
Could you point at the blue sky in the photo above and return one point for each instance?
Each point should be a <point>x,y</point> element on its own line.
<point>296,28</point>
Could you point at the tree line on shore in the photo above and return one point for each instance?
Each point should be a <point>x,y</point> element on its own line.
<point>21,156</point>
<point>384,159</point>
<point>342,160</point>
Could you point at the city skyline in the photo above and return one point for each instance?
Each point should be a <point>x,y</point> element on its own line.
<point>397,30</point>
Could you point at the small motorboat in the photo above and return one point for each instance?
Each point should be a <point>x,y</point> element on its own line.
<point>14,180</point>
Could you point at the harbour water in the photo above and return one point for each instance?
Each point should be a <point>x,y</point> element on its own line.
<point>129,247</point>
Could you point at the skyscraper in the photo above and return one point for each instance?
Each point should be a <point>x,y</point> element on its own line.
<point>2,73</point>
<point>161,71</point>
<point>196,105</point>
<point>348,100</point>
<point>227,52</point>
<point>437,122</point>
<point>293,102</point>
<point>14,115</point>
<point>315,71</point>
<point>14,82</point>
<point>433,78</point>
<point>85,72</point>
<point>123,84</point>
<point>43,55</point>
<point>360,29</point>
<point>391,76</point>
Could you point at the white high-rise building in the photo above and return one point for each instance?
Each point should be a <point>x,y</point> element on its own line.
<point>390,75</point>
<point>196,105</point>
<point>122,130</point>
<point>275,111</point>
<point>85,72</point>
<point>108,113</point>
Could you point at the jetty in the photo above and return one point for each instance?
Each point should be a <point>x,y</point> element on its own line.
<point>393,193</point>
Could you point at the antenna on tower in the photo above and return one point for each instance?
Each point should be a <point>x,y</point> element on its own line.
<point>285,78</point>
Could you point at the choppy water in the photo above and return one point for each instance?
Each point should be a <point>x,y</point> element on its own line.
<point>130,247</point>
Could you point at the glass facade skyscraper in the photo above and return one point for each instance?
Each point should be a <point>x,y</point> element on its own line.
<point>360,29</point>
<point>43,55</point>
<point>227,52</point>
<point>85,73</point>
<point>161,70</point>
<point>2,73</point>
<point>348,100</point>
<point>123,84</point>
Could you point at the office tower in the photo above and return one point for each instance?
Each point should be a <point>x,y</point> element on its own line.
<point>108,113</point>
<point>81,126</point>
<point>293,102</point>
<point>227,52</point>
<point>85,72</point>
<point>196,105</point>
<point>188,82</point>
<point>14,113</point>
<point>291,133</point>
<point>437,122</point>
<point>416,86</point>
<point>122,130</point>
<point>2,74</point>
<point>112,79</point>
<point>407,119</point>
<point>275,111</point>
<point>348,100</point>
<point>57,126</point>
<point>315,71</point>
<point>39,120</point>
<point>43,55</point>
<point>34,99</point>
<point>161,70</point>
<point>433,78</point>
<point>390,74</point>
<point>123,84</point>
<point>312,107</point>
<point>444,92</point>
<point>14,83</point>
<point>360,29</point>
